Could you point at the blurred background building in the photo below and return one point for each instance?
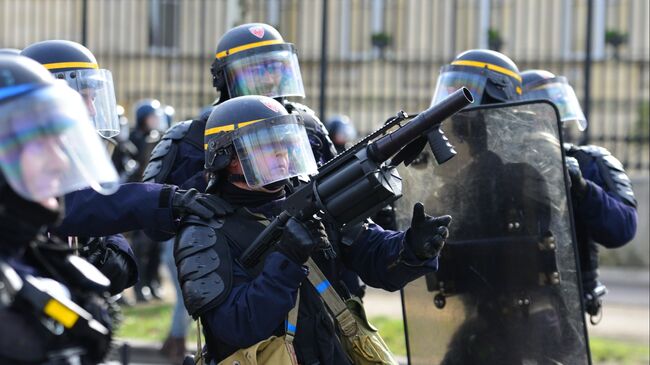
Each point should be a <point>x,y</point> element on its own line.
<point>370,58</point>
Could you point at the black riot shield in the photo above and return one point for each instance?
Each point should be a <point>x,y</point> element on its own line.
<point>507,290</point>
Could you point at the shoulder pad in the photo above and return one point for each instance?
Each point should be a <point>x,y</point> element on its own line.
<point>204,268</point>
<point>151,171</point>
<point>301,108</point>
<point>161,149</point>
<point>612,171</point>
<point>178,131</point>
<point>621,182</point>
<point>594,151</point>
<point>163,154</point>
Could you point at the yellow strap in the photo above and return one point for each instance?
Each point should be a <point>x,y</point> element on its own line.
<point>59,65</point>
<point>61,313</point>
<point>244,47</point>
<point>489,66</point>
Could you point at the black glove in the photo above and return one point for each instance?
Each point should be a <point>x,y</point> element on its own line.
<point>205,206</point>
<point>112,263</point>
<point>300,239</point>
<point>427,234</point>
<point>578,183</point>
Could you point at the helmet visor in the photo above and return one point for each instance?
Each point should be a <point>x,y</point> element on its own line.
<point>450,81</point>
<point>96,89</point>
<point>274,150</point>
<point>273,74</point>
<point>48,147</point>
<point>558,91</point>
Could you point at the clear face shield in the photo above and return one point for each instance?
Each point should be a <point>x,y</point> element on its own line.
<point>48,147</point>
<point>449,81</point>
<point>272,150</point>
<point>274,74</point>
<point>96,89</point>
<point>558,91</point>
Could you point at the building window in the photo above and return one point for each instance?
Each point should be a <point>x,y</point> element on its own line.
<point>164,25</point>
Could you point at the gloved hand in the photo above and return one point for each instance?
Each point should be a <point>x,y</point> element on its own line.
<point>427,234</point>
<point>205,206</point>
<point>578,183</point>
<point>300,239</point>
<point>112,263</point>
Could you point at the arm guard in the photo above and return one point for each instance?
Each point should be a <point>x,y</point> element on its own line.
<point>610,169</point>
<point>204,265</point>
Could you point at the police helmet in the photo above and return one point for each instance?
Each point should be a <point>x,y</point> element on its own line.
<point>10,51</point>
<point>169,113</point>
<point>542,84</point>
<point>492,77</point>
<point>149,115</point>
<point>271,144</point>
<point>47,144</point>
<point>75,64</point>
<point>341,130</point>
<point>254,59</point>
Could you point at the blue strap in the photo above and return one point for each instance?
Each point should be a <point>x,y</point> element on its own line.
<point>322,286</point>
<point>290,327</point>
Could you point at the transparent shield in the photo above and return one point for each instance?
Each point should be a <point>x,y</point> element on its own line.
<point>48,147</point>
<point>271,152</point>
<point>563,96</point>
<point>273,74</point>
<point>507,289</point>
<point>450,81</point>
<point>98,93</point>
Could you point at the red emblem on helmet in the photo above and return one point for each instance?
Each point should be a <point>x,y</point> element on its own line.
<point>257,31</point>
<point>272,104</point>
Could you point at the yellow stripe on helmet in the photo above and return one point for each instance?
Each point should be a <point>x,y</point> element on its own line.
<point>489,66</point>
<point>60,65</point>
<point>244,47</point>
<point>227,128</point>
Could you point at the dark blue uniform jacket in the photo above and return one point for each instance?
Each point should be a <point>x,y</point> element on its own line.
<point>257,306</point>
<point>602,215</point>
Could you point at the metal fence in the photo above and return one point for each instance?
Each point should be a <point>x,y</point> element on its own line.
<point>366,58</point>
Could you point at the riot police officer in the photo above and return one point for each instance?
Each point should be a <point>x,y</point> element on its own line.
<point>251,59</point>
<point>253,147</point>
<point>52,305</point>
<point>133,206</point>
<point>604,205</point>
<point>341,131</point>
<point>503,210</point>
<point>149,124</point>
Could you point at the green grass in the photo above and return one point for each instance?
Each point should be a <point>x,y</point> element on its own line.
<point>146,322</point>
<point>151,322</point>
<point>618,352</point>
<point>392,331</point>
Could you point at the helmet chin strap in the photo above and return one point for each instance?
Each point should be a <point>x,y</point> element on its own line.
<point>268,188</point>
